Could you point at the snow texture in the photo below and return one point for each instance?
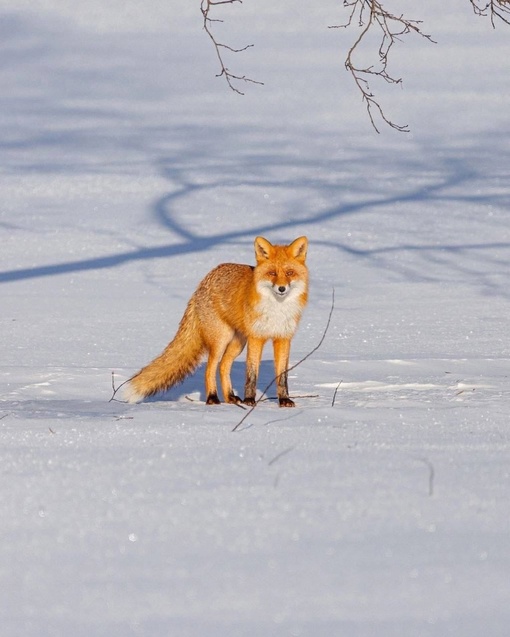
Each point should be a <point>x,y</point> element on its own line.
<point>379,506</point>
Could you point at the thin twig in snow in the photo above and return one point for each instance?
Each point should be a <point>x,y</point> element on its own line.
<point>116,389</point>
<point>494,8</point>
<point>280,455</point>
<point>336,391</point>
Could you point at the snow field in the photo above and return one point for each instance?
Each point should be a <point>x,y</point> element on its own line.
<point>379,506</point>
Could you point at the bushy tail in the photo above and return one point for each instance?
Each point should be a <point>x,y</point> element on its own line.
<point>179,359</point>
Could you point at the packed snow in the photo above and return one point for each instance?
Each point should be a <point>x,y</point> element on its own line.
<point>379,506</point>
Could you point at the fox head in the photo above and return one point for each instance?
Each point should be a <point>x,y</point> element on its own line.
<point>281,269</point>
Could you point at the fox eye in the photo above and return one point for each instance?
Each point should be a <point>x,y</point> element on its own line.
<point>271,273</point>
<point>290,273</point>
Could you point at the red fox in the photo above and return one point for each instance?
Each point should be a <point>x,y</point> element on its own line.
<point>235,304</point>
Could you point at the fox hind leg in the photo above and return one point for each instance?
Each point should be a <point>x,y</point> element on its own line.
<point>234,348</point>
<point>216,347</point>
<point>224,346</point>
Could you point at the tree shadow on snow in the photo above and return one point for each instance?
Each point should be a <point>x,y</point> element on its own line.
<point>216,167</point>
<point>453,182</point>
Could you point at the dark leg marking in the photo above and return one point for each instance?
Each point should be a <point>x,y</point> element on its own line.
<point>250,387</point>
<point>212,399</point>
<point>233,398</point>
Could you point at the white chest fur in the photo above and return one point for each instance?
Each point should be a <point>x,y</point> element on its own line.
<point>278,316</point>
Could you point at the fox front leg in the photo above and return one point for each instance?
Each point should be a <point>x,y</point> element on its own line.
<point>253,356</point>
<point>281,363</point>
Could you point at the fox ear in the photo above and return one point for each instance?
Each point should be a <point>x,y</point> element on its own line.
<point>263,249</point>
<point>298,249</point>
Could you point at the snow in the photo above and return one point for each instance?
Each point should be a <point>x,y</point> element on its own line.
<point>379,505</point>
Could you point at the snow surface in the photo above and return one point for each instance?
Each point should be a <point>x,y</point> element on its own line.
<point>379,507</point>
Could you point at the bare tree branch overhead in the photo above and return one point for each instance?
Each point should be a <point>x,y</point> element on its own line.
<point>496,9</point>
<point>367,18</point>
<point>231,78</point>
<point>370,15</point>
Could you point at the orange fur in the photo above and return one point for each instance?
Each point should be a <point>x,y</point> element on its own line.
<point>235,304</point>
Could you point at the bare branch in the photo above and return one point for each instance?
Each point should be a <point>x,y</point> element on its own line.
<point>335,393</point>
<point>495,9</point>
<point>230,78</point>
<point>117,389</point>
<point>371,16</point>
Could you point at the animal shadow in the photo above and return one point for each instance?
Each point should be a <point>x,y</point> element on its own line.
<point>193,388</point>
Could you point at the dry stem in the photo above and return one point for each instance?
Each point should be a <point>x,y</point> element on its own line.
<point>230,77</point>
<point>495,9</point>
<point>370,15</point>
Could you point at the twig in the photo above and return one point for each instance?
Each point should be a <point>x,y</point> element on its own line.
<point>275,379</point>
<point>335,393</point>
<point>280,455</point>
<point>116,389</point>
<point>370,15</point>
<point>263,399</point>
<point>495,9</point>
<point>230,77</point>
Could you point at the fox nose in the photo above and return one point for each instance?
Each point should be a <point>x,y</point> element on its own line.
<point>282,289</point>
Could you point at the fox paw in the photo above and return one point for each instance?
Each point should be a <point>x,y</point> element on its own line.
<point>212,399</point>
<point>286,402</point>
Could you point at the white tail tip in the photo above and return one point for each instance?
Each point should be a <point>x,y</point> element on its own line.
<point>131,395</point>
